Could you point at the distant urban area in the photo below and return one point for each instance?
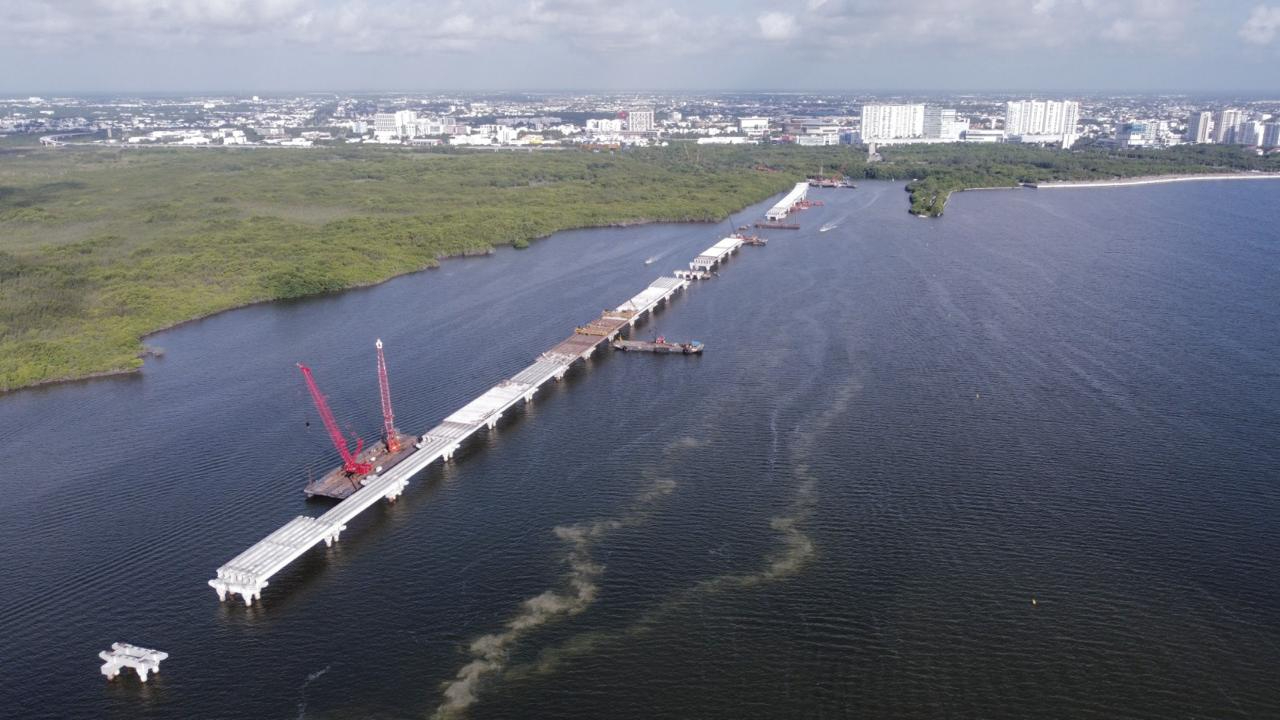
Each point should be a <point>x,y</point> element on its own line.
<point>552,121</point>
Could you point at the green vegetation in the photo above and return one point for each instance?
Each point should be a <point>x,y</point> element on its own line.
<point>100,247</point>
<point>935,171</point>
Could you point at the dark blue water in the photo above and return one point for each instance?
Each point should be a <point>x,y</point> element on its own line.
<point>902,432</point>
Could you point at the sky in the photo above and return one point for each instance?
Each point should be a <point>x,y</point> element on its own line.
<point>258,46</point>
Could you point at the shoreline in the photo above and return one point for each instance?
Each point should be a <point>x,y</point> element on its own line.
<point>1149,180</point>
<point>439,259</point>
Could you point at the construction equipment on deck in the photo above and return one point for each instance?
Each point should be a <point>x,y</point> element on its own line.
<point>350,464</point>
<point>389,433</point>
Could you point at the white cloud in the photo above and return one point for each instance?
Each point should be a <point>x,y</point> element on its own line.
<point>996,24</point>
<point>592,28</point>
<point>1262,26</point>
<point>777,26</point>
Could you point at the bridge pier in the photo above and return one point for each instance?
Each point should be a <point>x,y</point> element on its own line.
<point>123,655</point>
<point>247,590</point>
<point>331,537</point>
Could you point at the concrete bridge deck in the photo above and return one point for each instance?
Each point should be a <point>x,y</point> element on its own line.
<point>784,206</point>
<point>248,573</point>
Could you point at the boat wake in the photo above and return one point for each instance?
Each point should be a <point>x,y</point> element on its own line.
<point>302,691</point>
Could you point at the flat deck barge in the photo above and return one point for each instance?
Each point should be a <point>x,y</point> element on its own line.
<point>659,346</point>
<point>339,485</point>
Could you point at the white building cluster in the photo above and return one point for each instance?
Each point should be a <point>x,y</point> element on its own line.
<point>634,126</point>
<point>1042,121</point>
<point>1231,126</point>
<point>1032,121</point>
<point>1145,133</point>
<point>888,124</point>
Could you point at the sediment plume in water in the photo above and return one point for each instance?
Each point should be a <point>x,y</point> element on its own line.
<point>489,653</point>
<point>796,551</point>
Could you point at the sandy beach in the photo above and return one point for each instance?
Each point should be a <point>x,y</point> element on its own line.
<point>1153,180</point>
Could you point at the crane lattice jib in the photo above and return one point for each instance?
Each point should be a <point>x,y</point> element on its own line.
<point>384,389</point>
<point>350,463</point>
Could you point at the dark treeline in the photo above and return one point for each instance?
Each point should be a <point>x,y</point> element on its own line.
<point>933,172</point>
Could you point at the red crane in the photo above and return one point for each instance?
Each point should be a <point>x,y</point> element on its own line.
<point>391,435</point>
<point>350,462</point>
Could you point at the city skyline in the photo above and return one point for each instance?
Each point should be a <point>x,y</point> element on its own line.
<point>288,45</point>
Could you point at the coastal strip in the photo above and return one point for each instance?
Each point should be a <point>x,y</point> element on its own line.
<point>1152,180</point>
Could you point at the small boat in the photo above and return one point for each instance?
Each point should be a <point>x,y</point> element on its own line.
<point>828,226</point>
<point>650,260</point>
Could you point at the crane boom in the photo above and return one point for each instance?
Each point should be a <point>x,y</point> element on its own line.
<point>390,435</point>
<point>350,461</point>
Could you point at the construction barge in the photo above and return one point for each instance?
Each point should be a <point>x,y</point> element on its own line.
<point>659,346</point>
<point>778,225</point>
<point>379,457</point>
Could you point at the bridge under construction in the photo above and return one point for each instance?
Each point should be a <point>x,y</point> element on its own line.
<point>248,573</point>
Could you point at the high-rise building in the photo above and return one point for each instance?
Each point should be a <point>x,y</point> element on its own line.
<point>941,123</point>
<point>934,118</point>
<point>640,120</point>
<point>753,126</point>
<point>892,122</point>
<point>1225,125</point>
<point>1199,127</point>
<point>384,126</point>
<point>1249,132</point>
<point>406,123</point>
<point>603,126</point>
<point>1042,119</point>
<point>1271,135</point>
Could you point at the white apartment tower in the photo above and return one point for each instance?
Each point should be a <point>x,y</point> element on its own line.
<point>1271,135</point>
<point>1042,118</point>
<point>753,126</point>
<point>1199,126</point>
<point>1228,120</point>
<point>892,122</point>
<point>942,124</point>
<point>385,124</point>
<point>1250,133</point>
<point>640,120</point>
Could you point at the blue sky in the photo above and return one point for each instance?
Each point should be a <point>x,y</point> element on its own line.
<point>274,45</point>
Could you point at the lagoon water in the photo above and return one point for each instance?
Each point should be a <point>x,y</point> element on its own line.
<point>901,434</point>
